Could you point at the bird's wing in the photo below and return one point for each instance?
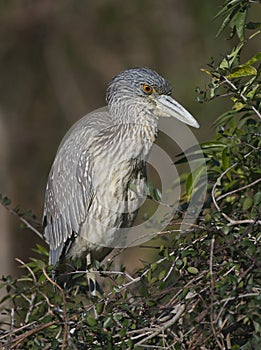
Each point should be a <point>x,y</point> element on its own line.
<point>68,195</point>
<point>69,188</point>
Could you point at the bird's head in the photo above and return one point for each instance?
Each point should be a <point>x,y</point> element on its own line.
<point>143,90</point>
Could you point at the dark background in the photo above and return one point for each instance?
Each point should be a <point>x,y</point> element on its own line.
<point>56,59</point>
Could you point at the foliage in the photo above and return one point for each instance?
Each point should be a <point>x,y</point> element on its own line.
<point>203,292</point>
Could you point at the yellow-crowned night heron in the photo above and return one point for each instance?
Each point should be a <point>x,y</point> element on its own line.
<point>88,195</point>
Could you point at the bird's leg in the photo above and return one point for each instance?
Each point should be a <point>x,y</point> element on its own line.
<point>92,283</point>
<point>91,276</point>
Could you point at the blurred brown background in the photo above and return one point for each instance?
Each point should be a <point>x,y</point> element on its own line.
<point>56,58</point>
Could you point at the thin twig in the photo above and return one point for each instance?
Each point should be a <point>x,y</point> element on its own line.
<point>28,268</point>
<point>30,301</point>
<point>238,189</point>
<point>31,332</point>
<point>23,220</point>
<point>242,96</point>
<point>218,181</point>
<point>212,288</point>
<point>11,329</point>
<point>164,326</point>
<point>233,222</point>
<point>17,330</point>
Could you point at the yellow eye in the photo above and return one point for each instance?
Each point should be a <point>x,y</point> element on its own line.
<point>147,89</point>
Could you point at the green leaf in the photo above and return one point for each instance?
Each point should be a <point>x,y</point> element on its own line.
<point>254,59</point>
<point>193,153</point>
<point>213,145</point>
<point>257,198</point>
<point>242,71</point>
<point>78,275</point>
<point>189,186</point>
<point>156,194</point>
<point>130,343</point>
<point>225,159</point>
<point>42,278</point>
<point>193,180</point>
<point>230,58</point>
<point>36,263</point>
<point>107,322</point>
<point>193,270</point>
<point>91,321</point>
<point>251,93</point>
<point>179,263</point>
<point>224,24</point>
<point>238,106</point>
<point>248,202</point>
<point>153,267</point>
<point>225,118</point>
<point>238,22</point>
<point>166,253</point>
<point>162,274</point>
<point>41,250</point>
<point>227,8</point>
<point>206,71</point>
<point>235,14</point>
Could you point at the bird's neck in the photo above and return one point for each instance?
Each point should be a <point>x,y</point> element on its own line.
<point>136,139</point>
<point>142,132</point>
<point>140,118</point>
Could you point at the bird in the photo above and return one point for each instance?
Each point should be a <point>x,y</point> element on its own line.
<point>89,196</point>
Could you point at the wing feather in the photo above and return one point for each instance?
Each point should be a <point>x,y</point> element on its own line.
<point>69,189</point>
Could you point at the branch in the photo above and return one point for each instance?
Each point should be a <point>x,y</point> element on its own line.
<point>164,326</point>
<point>233,222</point>
<point>238,189</point>
<point>23,220</point>
<point>242,96</point>
<point>31,332</point>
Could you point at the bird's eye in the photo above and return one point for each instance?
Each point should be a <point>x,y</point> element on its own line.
<point>147,89</point>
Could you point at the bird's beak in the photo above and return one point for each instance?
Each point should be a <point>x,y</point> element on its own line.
<point>168,107</point>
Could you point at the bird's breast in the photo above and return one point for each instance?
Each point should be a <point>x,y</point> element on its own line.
<point>118,179</point>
